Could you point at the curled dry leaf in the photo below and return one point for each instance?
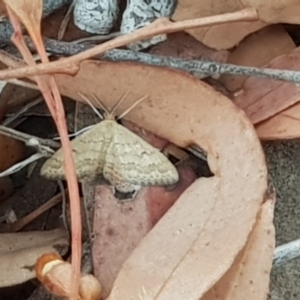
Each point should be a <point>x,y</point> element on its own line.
<point>223,36</point>
<point>248,277</point>
<point>263,98</point>
<point>197,240</point>
<point>55,275</point>
<point>19,252</point>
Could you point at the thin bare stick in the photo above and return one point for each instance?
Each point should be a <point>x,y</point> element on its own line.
<point>21,223</point>
<point>65,21</point>
<point>23,83</point>
<point>77,132</point>
<point>64,206</point>
<point>97,38</point>
<point>286,252</point>
<point>164,25</point>
<point>22,164</point>
<point>27,138</point>
<point>25,108</point>
<point>10,60</point>
<point>70,65</point>
<point>52,96</point>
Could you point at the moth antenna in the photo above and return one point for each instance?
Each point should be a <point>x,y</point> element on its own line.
<point>119,103</point>
<point>92,106</point>
<point>107,113</point>
<point>132,107</point>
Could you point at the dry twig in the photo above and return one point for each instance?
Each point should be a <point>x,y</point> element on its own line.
<point>71,65</point>
<point>18,225</point>
<point>31,17</point>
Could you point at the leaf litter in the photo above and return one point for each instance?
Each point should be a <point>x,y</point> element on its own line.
<point>213,191</point>
<point>135,241</point>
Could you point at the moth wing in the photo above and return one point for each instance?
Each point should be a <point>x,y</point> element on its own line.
<point>131,160</point>
<point>89,153</point>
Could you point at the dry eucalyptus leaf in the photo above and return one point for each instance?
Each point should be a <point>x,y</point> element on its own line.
<point>276,11</point>
<point>19,252</point>
<point>201,225</point>
<point>29,12</point>
<point>150,138</point>
<point>219,37</point>
<point>182,45</point>
<point>263,98</point>
<point>3,12</point>
<point>119,227</point>
<point>285,125</point>
<point>228,35</point>
<point>11,151</point>
<point>249,276</point>
<point>257,50</point>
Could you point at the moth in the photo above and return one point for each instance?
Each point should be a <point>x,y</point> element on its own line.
<point>123,158</point>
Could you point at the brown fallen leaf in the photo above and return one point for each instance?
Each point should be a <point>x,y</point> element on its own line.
<point>249,276</point>
<point>257,50</point>
<point>263,98</point>
<point>177,258</point>
<point>11,152</point>
<point>184,46</point>
<point>159,199</point>
<point>120,226</point>
<point>19,252</point>
<point>285,125</point>
<point>276,11</point>
<point>155,141</point>
<point>219,37</point>
<point>228,35</point>
<point>6,188</point>
<point>3,12</point>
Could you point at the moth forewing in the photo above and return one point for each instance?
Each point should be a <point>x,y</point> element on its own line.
<point>125,159</point>
<point>129,158</point>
